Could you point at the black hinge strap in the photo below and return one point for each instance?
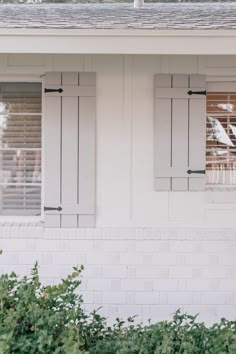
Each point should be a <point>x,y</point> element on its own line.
<point>190,92</point>
<point>196,171</point>
<point>50,208</point>
<point>60,90</point>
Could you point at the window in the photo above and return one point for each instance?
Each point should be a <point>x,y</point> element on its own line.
<point>20,149</point>
<point>221,139</point>
<point>194,134</point>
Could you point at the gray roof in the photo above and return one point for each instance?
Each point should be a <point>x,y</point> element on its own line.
<point>120,16</point>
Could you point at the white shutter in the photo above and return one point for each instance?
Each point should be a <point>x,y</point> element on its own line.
<point>69,154</point>
<point>179,132</point>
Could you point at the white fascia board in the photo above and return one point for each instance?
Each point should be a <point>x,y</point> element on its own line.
<point>66,41</point>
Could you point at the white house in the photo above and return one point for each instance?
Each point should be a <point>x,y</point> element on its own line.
<point>117,151</point>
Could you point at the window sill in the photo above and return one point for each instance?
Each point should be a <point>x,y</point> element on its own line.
<point>221,194</point>
<point>20,221</point>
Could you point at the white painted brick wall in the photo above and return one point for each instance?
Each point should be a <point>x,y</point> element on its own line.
<point>144,272</point>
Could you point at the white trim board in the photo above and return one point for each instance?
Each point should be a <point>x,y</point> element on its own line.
<point>65,41</point>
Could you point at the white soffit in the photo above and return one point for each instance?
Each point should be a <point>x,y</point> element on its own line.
<point>74,41</point>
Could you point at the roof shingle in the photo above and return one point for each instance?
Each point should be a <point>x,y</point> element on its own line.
<point>120,16</point>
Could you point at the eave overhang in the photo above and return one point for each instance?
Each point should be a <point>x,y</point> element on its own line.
<point>109,41</point>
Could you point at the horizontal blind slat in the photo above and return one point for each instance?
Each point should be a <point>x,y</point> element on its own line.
<point>20,131</point>
<point>221,138</point>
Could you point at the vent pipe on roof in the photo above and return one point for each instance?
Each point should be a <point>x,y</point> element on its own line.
<point>138,3</point>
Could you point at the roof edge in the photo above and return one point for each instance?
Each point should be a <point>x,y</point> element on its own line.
<point>117,32</point>
<point>48,41</point>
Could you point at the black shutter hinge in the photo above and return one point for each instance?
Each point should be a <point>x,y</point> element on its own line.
<point>50,208</point>
<point>60,90</point>
<point>196,171</point>
<point>190,92</point>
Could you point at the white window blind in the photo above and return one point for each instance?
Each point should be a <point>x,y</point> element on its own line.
<point>20,149</point>
<point>221,140</point>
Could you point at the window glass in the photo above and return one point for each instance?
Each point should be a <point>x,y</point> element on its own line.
<point>221,139</point>
<point>20,149</point>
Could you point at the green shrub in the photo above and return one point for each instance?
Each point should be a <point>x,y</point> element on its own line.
<point>41,319</point>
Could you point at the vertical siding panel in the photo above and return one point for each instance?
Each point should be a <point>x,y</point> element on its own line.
<point>128,125</point>
<point>113,142</point>
<point>88,62</point>
<point>148,207</point>
<point>162,132</point>
<point>68,62</point>
<point>180,64</point>
<point>52,143</point>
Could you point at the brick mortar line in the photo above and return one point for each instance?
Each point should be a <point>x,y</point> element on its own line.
<point>125,234</point>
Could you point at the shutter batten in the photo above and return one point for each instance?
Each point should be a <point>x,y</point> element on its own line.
<point>197,139</point>
<point>75,145</point>
<point>179,132</point>
<point>52,156</point>
<point>70,91</point>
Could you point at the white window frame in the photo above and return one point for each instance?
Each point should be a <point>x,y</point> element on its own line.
<point>28,219</point>
<point>221,83</point>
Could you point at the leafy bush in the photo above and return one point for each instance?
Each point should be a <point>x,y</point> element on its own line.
<point>37,319</point>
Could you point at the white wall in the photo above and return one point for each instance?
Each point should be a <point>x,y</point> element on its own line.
<point>128,271</point>
<point>151,252</point>
<point>124,182</point>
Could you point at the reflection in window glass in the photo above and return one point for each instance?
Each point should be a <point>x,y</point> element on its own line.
<point>20,149</point>
<point>221,139</point>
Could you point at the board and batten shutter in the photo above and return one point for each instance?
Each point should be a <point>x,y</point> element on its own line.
<point>69,149</point>
<point>180,121</point>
